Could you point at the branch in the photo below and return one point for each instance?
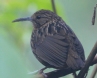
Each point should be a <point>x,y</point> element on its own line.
<point>60,73</point>
<point>88,62</point>
<point>53,6</point>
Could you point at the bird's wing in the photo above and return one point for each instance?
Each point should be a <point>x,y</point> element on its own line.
<point>53,50</point>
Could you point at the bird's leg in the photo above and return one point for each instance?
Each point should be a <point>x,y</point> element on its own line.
<point>41,70</point>
<point>41,74</point>
<point>74,75</point>
<point>86,73</point>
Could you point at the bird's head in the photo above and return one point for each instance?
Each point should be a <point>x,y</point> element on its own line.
<point>39,18</point>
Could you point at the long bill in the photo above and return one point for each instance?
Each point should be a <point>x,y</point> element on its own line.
<point>22,19</point>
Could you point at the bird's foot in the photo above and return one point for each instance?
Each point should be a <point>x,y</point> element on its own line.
<point>41,74</point>
<point>38,73</point>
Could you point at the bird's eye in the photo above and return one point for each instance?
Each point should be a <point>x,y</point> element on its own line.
<point>38,17</point>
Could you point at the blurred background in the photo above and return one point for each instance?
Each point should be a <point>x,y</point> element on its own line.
<point>16,57</point>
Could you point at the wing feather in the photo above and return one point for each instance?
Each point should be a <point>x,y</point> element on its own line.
<point>53,51</point>
<point>46,58</point>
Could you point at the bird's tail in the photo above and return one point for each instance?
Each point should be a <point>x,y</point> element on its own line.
<point>74,61</point>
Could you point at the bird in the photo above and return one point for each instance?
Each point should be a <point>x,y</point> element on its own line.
<point>53,42</point>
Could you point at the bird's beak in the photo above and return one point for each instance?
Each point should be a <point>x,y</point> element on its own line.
<point>22,19</point>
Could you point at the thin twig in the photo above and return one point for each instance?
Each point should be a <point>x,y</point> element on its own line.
<point>94,15</point>
<point>88,62</point>
<point>53,6</point>
<point>94,72</point>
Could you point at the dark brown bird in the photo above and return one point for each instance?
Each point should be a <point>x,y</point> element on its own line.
<point>53,42</point>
